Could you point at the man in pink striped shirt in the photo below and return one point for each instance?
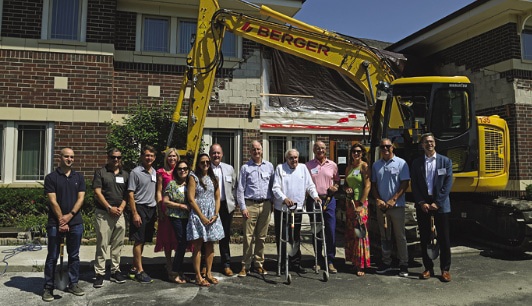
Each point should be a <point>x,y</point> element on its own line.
<point>324,174</point>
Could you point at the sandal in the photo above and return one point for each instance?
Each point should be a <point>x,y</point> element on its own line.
<point>178,280</point>
<point>202,282</point>
<point>360,273</point>
<point>212,280</point>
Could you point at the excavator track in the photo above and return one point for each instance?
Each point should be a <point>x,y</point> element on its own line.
<point>501,222</point>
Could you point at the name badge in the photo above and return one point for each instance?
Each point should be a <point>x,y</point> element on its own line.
<point>356,172</point>
<point>154,178</point>
<point>119,180</point>
<point>314,170</point>
<point>394,170</point>
<point>442,171</point>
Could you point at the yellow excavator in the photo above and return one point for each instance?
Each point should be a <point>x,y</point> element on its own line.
<point>400,109</point>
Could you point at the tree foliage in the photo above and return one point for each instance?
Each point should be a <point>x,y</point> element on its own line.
<point>143,125</point>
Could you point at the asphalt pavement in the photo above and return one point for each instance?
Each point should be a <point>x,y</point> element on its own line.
<point>480,277</point>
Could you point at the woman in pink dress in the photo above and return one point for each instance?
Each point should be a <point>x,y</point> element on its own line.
<point>166,240</point>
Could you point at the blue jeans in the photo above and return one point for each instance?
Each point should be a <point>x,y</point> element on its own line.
<point>72,242</point>
<point>180,230</point>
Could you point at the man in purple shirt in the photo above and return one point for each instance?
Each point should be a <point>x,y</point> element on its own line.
<point>324,174</point>
<point>254,199</point>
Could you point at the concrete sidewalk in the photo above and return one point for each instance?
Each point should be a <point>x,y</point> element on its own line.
<point>31,258</point>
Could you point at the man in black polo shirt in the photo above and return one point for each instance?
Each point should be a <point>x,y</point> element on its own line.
<point>65,189</point>
<point>110,190</point>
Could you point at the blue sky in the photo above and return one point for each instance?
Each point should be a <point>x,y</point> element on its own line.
<point>385,20</point>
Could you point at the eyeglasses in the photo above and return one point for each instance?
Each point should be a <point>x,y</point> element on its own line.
<point>115,157</point>
<point>356,151</point>
<point>182,169</point>
<point>293,157</point>
<point>385,146</point>
<point>205,162</point>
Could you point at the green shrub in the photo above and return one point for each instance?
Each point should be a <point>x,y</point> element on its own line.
<point>27,208</point>
<point>528,192</point>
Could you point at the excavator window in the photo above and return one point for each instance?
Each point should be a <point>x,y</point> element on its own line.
<point>450,113</point>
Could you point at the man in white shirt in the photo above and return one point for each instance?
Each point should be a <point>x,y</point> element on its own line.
<point>290,184</point>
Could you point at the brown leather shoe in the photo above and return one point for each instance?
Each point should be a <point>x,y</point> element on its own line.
<point>426,274</point>
<point>446,276</point>
<point>228,272</point>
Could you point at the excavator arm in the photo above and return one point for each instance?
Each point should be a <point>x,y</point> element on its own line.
<point>361,63</point>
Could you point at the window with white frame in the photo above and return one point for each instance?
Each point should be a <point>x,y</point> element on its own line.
<point>187,30</point>
<point>156,34</point>
<point>175,36</point>
<point>277,146</point>
<point>1,152</point>
<point>231,143</point>
<point>64,19</point>
<point>526,40</point>
<point>26,151</point>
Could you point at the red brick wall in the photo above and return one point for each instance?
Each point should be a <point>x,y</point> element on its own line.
<point>125,31</point>
<point>489,48</point>
<point>22,18</point>
<point>88,142</point>
<point>101,16</point>
<point>27,80</point>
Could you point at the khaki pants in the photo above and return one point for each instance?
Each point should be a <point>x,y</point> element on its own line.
<point>395,232</point>
<point>110,233</point>
<point>255,231</point>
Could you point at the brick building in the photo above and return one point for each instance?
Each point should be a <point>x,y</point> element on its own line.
<point>491,43</point>
<point>69,67</point>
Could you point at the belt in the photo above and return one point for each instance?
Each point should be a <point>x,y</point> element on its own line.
<point>257,201</point>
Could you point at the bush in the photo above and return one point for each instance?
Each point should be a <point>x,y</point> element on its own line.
<point>27,208</point>
<point>528,192</point>
<point>145,125</point>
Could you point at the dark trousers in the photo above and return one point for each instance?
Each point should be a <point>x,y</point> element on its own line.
<point>225,251</point>
<point>329,220</point>
<point>180,229</point>
<point>72,243</point>
<point>441,221</point>
<point>293,238</point>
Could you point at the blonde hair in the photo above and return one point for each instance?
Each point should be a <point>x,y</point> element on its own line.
<point>166,153</point>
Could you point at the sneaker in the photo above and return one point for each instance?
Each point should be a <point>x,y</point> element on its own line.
<point>118,278</point>
<point>383,268</point>
<point>243,273</point>
<point>132,273</point>
<point>75,289</point>
<point>48,295</point>
<point>143,278</point>
<point>403,271</point>
<point>98,283</point>
<point>316,268</point>
<point>261,271</point>
<point>332,269</point>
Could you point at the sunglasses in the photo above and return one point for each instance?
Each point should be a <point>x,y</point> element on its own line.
<point>385,146</point>
<point>205,162</point>
<point>115,157</point>
<point>356,151</point>
<point>182,169</point>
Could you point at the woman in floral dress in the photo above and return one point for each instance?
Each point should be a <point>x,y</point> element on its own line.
<point>357,186</point>
<point>204,225</point>
<point>177,210</point>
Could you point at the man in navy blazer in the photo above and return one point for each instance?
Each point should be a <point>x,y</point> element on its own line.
<point>432,179</point>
